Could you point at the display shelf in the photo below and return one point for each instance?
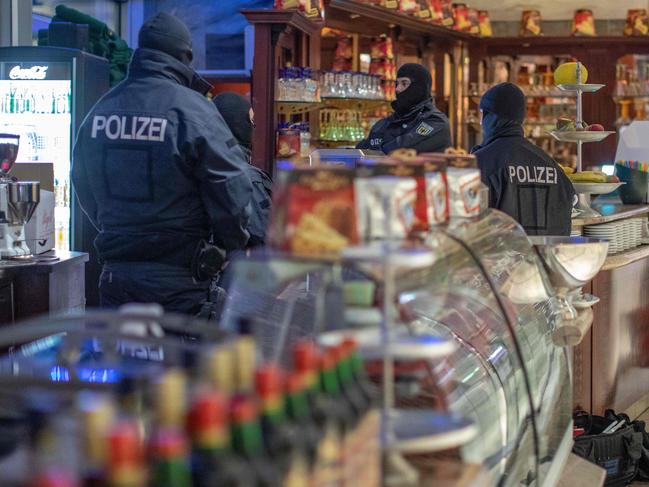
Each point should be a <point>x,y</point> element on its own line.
<point>297,107</point>
<point>610,213</point>
<point>359,104</point>
<point>373,18</point>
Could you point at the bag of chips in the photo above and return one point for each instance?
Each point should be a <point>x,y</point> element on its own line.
<point>344,48</point>
<point>382,48</point>
<point>461,17</point>
<point>447,18</point>
<point>410,7</point>
<point>474,22</point>
<point>531,23</point>
<point>637,23</point>
<point>485,24</point>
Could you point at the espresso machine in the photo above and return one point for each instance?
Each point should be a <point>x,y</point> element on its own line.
<point>18,201</point>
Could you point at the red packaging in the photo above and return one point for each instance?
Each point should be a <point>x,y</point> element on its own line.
<point>344,48</point>
<point>382,48</point>
<point>583,23</point>
<point>436,12</point>
<point>313,212</point>
<point>288,142</point>
<point>342,64</point>
<point>485,24</point>
<point>461,17</point>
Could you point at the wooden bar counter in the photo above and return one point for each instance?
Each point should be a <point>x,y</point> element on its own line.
<point>54,287</point>
<point>611,365</point>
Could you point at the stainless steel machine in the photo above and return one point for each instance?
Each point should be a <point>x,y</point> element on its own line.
<point>18,201</point>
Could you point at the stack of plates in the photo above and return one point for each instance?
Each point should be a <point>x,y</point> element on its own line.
<point>576,232</point>
<point>621,235</point>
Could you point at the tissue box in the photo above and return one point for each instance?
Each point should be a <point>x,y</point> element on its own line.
<point>39,231</point>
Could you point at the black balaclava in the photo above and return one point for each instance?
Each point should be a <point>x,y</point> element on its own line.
<point>235,110</point>
<point>167,33</point>
<point>503,112</point>
<point>417,92</point>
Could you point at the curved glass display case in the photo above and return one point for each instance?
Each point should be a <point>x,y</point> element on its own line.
<point>484,289</point>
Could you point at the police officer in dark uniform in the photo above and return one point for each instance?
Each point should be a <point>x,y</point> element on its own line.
<point>238,114</point>
<point>416,123</point>
<point>158,172</point>
<point>523,181</point>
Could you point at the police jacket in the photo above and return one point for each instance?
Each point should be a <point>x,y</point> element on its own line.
<point>262,187</point>
<point>424,129</point>
<point>156,169</point>
<point>526,183</point>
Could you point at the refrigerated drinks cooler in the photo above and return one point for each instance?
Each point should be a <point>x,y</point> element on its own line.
<point>45,93</point>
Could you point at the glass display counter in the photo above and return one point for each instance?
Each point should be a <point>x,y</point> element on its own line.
<point>484,289</point>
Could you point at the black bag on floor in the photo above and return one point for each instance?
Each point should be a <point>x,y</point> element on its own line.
<point>618,452</point>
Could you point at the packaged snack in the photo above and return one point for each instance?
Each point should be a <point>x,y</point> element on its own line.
<point>436,13</point>
<point>342,64</point>
<point>464,185</point>
<point>391,199</point>
<point>447,12</point>
<point>410,7</point>
<point>436,189</point>
<point>391,4</point>
<point>531,23</point>
<point>474,22</point>
<point>637,23</point>
<point>424,10</point>
<point>382,48</point>
<point>288,142</point>
<point>583,23</point>
<point>286,4</point>
<point>485,24</point>
<point>314,211</point>
<point>344,48</point>
<point>461,17</point>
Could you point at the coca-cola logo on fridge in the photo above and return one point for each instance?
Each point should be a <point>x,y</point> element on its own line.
<point>35,72</point>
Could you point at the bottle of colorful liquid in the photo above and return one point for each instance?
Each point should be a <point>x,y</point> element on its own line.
<point>248,442</point>
<point>214,464</point>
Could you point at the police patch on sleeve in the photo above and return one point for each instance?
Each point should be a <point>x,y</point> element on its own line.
<point>424,129</point>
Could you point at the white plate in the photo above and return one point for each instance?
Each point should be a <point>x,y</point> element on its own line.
<point>584,87</point>
<point>596,188</point>
<point>581,135</point>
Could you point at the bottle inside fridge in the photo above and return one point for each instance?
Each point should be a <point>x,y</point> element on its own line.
<point>39,110</point>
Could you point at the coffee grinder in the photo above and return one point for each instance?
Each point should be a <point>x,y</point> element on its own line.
<point>18,201</point>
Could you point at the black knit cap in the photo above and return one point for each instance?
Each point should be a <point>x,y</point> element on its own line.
<point>235,110</point>
<point>506,101</point>
<point>169,34</point>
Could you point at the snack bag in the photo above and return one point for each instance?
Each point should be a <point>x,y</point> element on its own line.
<point>485,24</point>
<point>436,12</point>
<point>531,23</point>
<point>410,7</point>
<point>474,22</point>
<point>637,23</point>
<point>583,23</point>
<point>314,211</point>
<point>447,12</point>
<point>465,187</point>
<point>391,4</point>
<point>436,188</point>
<point>344,48</point>
<point>424,10</point>
<point>382,48</point>
<point>461,17</point>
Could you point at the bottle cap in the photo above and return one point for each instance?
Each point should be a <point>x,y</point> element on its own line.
<point>168,443</point>
<point>243,410</point>
<point>305,356</point>
<point>294,382</point>
<point>269,380</point>
<point>327,359</point>
<point>209,410</point>
<point>124,444</point>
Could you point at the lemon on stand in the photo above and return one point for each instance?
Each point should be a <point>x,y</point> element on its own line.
<point>566,74</point>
